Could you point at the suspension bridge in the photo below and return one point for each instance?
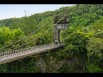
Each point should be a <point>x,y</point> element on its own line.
<point>12,55</point>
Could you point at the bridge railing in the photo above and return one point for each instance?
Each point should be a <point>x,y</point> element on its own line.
<point>27,50</point>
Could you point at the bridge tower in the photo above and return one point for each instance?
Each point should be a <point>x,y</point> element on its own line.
<point>58,25</point>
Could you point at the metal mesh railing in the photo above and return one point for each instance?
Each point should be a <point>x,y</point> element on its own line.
<point>23,52</point>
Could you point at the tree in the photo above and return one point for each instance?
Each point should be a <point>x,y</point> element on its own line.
<point>95,49</point>
<point>9,36</point>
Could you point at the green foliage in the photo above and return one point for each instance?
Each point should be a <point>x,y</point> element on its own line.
<point>91,68</point>
<point>43,38</point>
<point>8,36</point>
<point>98,25</point>
<point>99,34</point>
<point>95,49</point>
<point>83,38</point>
<point>65,69</point>
<point>76,42</point>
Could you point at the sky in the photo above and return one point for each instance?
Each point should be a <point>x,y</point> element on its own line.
<point>19,10</point>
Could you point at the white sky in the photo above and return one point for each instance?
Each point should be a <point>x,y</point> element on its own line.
<point>17,10</point>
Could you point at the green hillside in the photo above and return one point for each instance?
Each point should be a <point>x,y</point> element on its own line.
<point>83,51</point>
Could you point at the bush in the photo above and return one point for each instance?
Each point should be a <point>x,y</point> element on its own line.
<point>91,68</point>
<point>95,49</point>
<point>76,43</point>
<point>9,36</point>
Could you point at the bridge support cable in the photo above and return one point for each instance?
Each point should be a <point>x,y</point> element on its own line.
<point>34,39</point>
<point>11,55</point>
<point>27,52</point>
<point>23,38</point>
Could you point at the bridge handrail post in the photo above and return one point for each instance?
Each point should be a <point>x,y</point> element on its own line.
<point>15,52</point>
<point>38,48</point>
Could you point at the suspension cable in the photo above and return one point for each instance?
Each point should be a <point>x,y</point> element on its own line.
<point>23,38</point>
<point>37,37</point>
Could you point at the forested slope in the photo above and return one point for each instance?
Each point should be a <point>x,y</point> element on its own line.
<point>83,51</point>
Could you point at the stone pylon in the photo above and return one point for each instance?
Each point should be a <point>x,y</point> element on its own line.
<point>58,25</point>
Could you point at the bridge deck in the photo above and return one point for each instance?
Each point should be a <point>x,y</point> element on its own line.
<point>21,53</point>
